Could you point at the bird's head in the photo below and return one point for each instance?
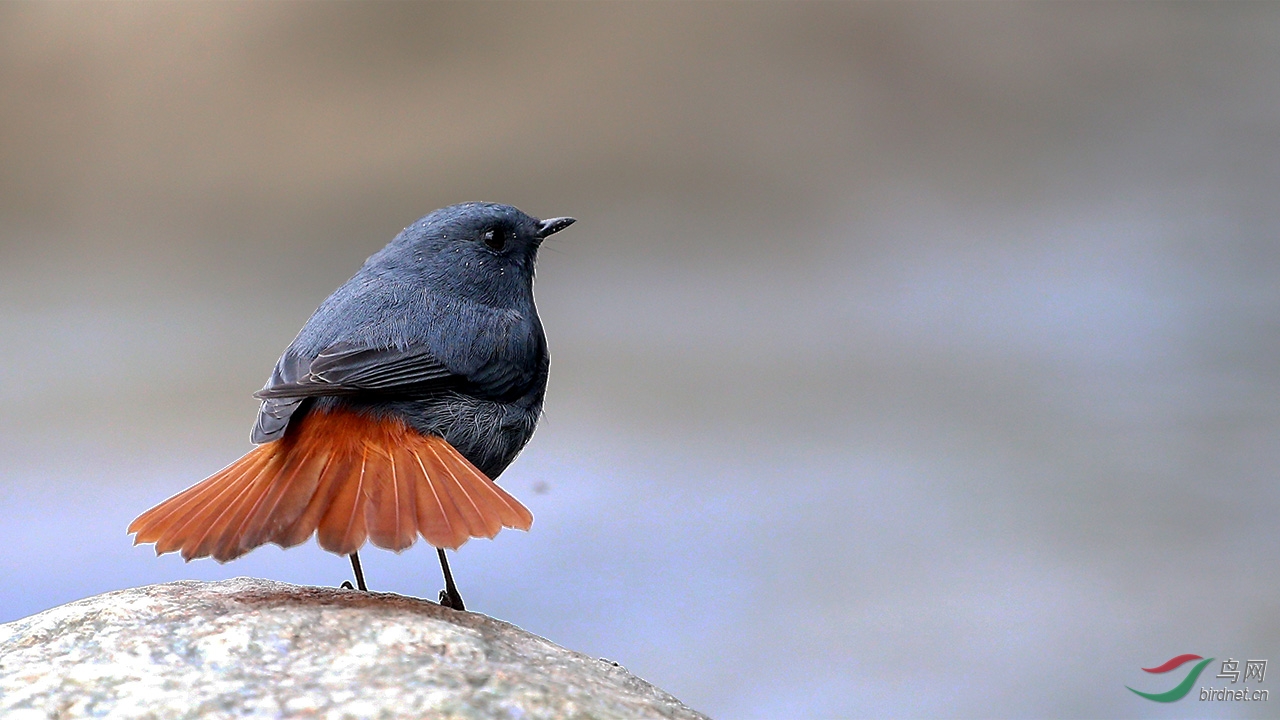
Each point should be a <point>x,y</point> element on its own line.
<point>483,251</point>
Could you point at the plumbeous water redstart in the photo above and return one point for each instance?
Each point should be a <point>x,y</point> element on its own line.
<point>409,389</point>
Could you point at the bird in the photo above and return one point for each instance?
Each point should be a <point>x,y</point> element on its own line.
<point>407,392</point>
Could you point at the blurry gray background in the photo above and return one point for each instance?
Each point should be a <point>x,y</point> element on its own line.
<point>907,360</point>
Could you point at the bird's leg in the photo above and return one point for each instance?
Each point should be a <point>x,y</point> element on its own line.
<point>449,596</point>
<point>355,565</point>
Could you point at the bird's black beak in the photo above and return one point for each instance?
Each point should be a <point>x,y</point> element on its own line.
<point>554,225</point>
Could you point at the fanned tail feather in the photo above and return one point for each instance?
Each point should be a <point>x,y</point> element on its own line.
<point>343,477</point>
<point>342,529</point>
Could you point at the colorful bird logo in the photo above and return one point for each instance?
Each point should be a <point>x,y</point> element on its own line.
<point>1183,687</point>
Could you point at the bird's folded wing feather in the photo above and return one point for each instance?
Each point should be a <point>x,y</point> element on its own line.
<point>344,368</point>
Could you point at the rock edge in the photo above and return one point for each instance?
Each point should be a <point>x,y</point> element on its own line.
<point>255,648</point>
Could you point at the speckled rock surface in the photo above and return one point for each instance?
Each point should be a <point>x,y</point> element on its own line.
<point>254,648</point>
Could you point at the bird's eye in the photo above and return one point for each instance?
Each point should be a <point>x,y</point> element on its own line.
<point>495,238</point>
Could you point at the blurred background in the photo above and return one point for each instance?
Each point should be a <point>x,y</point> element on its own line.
<point>907,359</point>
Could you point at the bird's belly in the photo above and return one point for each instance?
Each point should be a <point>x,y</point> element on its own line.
<point>490,434</point>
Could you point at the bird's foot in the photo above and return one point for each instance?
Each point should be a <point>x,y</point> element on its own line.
<point>346,585</point>
<point>355,567</point>
<point>452,600</point>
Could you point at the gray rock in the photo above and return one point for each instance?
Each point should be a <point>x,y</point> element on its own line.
<point>253,648</point>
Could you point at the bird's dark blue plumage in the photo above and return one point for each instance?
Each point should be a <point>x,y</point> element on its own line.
<point>438,328</point>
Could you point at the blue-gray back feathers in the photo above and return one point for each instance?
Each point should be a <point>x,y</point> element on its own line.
<point>438,328</point>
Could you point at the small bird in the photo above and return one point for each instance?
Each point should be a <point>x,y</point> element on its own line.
<point>409,389</point>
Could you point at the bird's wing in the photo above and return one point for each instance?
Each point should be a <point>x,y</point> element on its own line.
<point>345,368</point>
<point>342,369</point>
<point>477,363</point>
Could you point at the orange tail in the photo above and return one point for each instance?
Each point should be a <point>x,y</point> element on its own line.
<point>347,478</point>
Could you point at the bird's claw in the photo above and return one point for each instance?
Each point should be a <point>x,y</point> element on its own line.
<point>451,600</point>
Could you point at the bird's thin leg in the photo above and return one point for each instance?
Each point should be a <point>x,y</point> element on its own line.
<point>355,565</point>
<point>449,596</point>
